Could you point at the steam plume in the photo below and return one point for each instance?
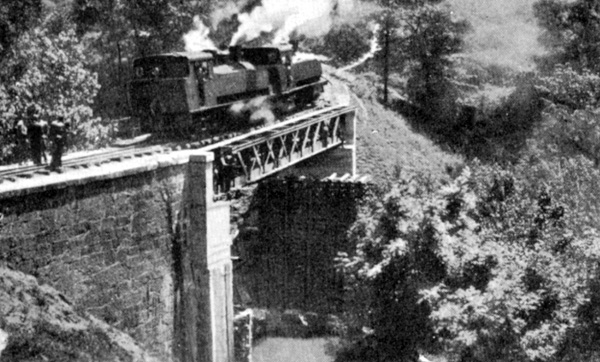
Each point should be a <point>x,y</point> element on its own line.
<point>3,340</point>
<point>223,12</point>
<point>301,56</point>
<point>257,110</point>
<point>278,18</point>
<point>197,39</point>
<point>283,17</point>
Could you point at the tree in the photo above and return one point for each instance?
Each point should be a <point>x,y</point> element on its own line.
<point>419,37</point>
<point>388,39</point>
<point>491,266</point>
<point>572,124</point>
<point>389,24</point>
<point>344,43</point>
<point>572,31</point>
<point>49,71</point>
<point>16,17</point>
<point>431,37</point>
<point>158,25</point>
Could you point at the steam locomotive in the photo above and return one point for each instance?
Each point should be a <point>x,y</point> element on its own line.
<point>188,91</point>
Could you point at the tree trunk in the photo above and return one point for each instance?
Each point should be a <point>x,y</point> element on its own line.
<point>120,64</point>
<point>386,61</point>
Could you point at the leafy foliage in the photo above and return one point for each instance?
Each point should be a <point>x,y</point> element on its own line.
<point>344,43</point>
<point>421,37</point>
<point>503,264</point>
<point>116,31</point>
<point>16,17</point>
<point>571,88</point>
<point>572,31</point>
<point>572,119</point>
<point>49,72</point>
<point>139,27</point>
<point>430,37</point>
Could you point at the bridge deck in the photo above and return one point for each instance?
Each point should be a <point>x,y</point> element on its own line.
<point>238,160</point>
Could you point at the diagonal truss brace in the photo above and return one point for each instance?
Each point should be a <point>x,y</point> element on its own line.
<point>264,154</point>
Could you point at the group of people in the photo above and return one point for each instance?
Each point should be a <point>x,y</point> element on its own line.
<point>33,132</point>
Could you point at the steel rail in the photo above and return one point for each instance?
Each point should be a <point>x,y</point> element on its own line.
<point>225,143</point>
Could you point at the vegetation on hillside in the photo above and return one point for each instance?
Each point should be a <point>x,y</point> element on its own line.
<point>501,263</point>
<point>493,266</point>
<point>71,57</point>
<point>498,264</point>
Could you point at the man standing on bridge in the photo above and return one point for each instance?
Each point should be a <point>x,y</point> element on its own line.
<point>58,136</point>
<point>36,130</point>
<point>20,131</point>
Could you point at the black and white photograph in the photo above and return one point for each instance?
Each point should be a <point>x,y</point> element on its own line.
<point>299,180</point>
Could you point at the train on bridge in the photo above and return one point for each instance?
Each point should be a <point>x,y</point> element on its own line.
<point>193,94</point>
<point>185,92</point>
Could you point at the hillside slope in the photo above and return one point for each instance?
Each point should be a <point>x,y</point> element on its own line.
<point>387,146</point>
<point>37,323</point>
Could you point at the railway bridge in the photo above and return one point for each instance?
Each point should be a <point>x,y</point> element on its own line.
<point>139,235</point>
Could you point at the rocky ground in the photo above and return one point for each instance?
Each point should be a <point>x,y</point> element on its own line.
<point>37,323</point>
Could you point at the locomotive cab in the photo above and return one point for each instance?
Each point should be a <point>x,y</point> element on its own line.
<point>166,87</point>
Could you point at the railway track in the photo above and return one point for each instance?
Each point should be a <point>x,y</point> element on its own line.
<point>95,159</point>
<point>145,148</point>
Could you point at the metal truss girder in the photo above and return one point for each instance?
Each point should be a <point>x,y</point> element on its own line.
<point>264,154</point>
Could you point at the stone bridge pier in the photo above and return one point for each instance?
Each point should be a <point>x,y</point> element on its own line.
<point>204,321</point>
<point>141,243</point>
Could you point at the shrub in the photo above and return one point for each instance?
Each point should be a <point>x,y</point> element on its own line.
<point>502,268</point>
<point>572,124</point>
<point>570,88</point>
<point>344,43</point>
<point>50,73</point>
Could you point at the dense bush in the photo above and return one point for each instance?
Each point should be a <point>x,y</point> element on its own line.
<point>493,266</point>
<point>49,71</point>
<point>571,32</point>
<point>345,43</point>
<point>570,88</point>
<point>572,121</point>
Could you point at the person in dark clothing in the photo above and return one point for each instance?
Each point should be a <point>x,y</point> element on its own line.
<point>37,132</point>
<point>58,137</point>
<point>20,131</point>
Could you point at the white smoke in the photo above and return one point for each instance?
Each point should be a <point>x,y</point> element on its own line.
<point>263,116</point>
<point>301,56</point>
<point>374,48</point>
<point>223,12</point>
<point>3,340</point>
<point>279,18</point>
<point>257,110</point>
<point>197,39</point>
<point>284,17</point>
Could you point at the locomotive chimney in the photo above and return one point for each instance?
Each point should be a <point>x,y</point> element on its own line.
<point>235,51</point>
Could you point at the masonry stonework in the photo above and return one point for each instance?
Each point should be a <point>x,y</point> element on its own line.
<point>289,241</point>
<point>106,245</point>
<point>147,249</point>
